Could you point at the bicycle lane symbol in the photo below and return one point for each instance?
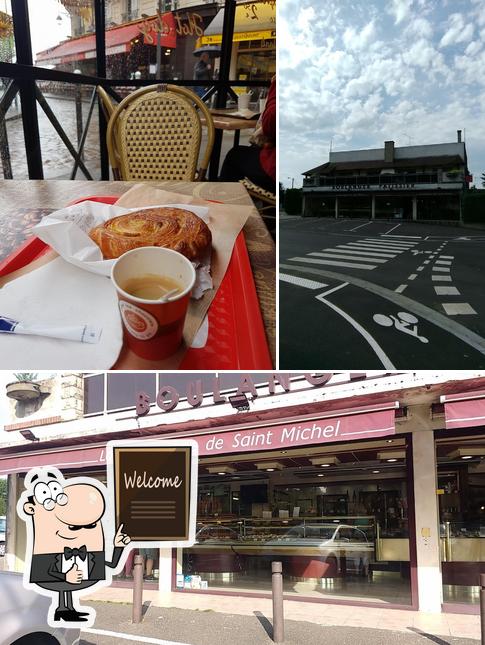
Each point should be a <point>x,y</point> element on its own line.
<point>403,322</point>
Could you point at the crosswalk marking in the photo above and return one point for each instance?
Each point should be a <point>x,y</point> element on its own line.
<point>441,278</point>
<point>447,291</point>
<point>368,249</point>
<point>333,263</point>
<point>448,262</point>
<point>444,269</point>
<point>404,245</point>
<point>400,288</point>
<point>302,282</point>
<point>337,255</point>
<point>447,257</point>
<point>358,250</point>
<point>458,309</point>
<point>394,245</point>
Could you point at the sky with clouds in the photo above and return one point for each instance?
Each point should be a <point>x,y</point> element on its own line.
<point>354,73</point>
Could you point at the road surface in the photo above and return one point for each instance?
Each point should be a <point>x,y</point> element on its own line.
<point>370,294</point>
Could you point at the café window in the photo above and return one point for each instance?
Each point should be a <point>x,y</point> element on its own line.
<point>340,531</point>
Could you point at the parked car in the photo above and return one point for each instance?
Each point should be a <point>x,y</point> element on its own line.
<point>334,542</point>
<point>23,616</point>
<point>3,531</point>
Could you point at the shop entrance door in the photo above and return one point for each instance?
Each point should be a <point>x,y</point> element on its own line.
<point>461,495</point>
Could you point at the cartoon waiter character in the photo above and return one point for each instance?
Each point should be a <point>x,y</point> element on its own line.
<point>65,540</point>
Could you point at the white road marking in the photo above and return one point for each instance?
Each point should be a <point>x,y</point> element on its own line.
<point>392,229</point>
<point>332,263</point>
<point>401,288</point>
<point>414,237</point>
<point>413,276</point>
<point>302,282</point>
<point>444,269</point>
<point>130,637</point>
<point>359,251</point>
<point>337,255</point>
<point>361,246</point>
<point>447,257</point>
<point>458,308</point>
<point>428,252</point>
<point>441,278</point>
<point>448,262</point>
<point>340,286</point>
<point>384,247</point>
<point>387,242</point>
<point>360,226</point>
<point>447,291</point>
<point>385,360</point>
<point>426,262</point>
<point>420,268</point>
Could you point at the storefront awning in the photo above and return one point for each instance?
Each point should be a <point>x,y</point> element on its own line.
<point>118,41</point>
<point>253,21</point>
<point>363,422</point>
<point>464,410</point>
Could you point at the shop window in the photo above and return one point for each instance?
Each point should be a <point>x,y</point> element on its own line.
<point>94,394</point>
<point>123,388</point>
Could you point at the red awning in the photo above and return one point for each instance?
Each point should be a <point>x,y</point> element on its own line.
<point>364,422</point>
<point>464,410</point>
<point>118,41</point>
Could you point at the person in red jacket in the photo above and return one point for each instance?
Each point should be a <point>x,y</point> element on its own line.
<point>256,162</point>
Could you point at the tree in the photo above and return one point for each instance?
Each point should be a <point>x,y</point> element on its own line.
<point>483,179</point>
<point>3,496</point>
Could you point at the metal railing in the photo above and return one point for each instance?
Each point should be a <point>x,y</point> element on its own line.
<point>383,180</point>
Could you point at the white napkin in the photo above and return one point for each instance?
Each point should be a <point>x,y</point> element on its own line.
<point>66,231</point>
<point>62,294</point>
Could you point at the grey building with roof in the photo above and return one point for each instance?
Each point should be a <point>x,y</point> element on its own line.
<point>424,182</point>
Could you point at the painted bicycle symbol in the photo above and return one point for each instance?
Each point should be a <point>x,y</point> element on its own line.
<point>404,321</point>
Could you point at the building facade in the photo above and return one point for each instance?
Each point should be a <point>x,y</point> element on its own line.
<point>369,487</point>
<point>131,38</point>
<point>424,182</point>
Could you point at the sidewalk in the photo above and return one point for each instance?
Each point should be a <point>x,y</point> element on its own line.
<point>345,624</point>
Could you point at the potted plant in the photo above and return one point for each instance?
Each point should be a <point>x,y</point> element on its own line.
<point>24,387</point>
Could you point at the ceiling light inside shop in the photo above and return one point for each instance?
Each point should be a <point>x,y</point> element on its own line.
<point>391,456</point>
<point>467,452</point>
<point>325,462</point>
<point>269,466</point>
<point>221,470</point>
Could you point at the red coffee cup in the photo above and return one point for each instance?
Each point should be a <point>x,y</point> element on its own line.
<point>153,328</point>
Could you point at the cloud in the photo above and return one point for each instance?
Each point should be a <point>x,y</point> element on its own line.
<point>357,73</point>
<point>354,40</point>
<point>400,10</point>
<point>459,31</point>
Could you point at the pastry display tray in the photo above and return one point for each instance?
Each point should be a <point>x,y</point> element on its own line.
<point>236,338</point>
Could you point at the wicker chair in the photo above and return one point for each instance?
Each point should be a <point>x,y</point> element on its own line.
<point>107,104</point>
<point>264,201</point>
<point>156,132</point>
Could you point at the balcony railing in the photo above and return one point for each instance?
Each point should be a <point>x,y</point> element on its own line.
<point>407,180</point>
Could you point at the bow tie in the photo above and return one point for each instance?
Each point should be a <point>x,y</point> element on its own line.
<point>72,553</point>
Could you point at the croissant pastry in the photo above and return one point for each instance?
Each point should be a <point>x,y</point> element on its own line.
<point>172,228</point>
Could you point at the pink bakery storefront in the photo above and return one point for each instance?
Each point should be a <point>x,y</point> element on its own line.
<point>376,499</point>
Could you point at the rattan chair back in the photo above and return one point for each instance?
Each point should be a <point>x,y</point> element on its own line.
<point>106,103</point>
<point>155,133</point>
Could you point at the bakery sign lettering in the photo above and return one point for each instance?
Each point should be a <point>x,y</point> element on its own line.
<point>168,396</point>
<point>154,486</point>
<point>189,24</point>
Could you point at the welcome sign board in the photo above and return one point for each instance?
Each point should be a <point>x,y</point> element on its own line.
<point>154,487</point>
